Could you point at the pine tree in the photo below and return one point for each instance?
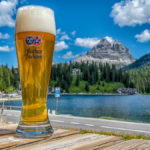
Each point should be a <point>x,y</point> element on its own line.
<point>6,76</point>
<point>77,80</point>
<point>97,88</point>
<point>113,73</point>
<point>107,73</point>
<point>103,84</point>
<point>86,87</point>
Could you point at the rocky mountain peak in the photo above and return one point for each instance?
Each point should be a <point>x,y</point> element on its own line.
<point>103,44</point>
<point>108,52</point>
<point>118,46</point>
<point>117,42</point>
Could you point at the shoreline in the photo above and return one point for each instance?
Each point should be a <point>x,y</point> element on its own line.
<point>91,94</point>
<point>11,98</point>
<point>70,94</point>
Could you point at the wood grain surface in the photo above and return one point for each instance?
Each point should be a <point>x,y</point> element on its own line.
<point>64,139</point>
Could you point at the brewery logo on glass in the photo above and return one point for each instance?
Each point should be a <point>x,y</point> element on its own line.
<point>36,40</point>
<point>29,40</point>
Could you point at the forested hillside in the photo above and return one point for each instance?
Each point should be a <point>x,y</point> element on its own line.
<point>140,78</point>
<point>9,79</point>
<point>93,78</point>
<point>140,63</point>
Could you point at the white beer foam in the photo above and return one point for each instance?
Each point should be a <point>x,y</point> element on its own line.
<point>35,18</point>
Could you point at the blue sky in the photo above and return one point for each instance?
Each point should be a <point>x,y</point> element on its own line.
<point>81,24</point>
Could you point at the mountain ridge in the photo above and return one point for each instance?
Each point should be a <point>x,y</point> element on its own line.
<point>108,52</point>
<point>140,63</point>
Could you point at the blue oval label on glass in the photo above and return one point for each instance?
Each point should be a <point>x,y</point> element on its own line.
<point>29,40</point>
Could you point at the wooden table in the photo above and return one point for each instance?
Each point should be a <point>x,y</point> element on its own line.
<point>64,139</point>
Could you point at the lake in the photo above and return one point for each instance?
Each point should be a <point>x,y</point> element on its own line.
<point>132,107</point>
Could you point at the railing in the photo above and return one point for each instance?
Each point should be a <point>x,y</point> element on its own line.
<point>11,107</point>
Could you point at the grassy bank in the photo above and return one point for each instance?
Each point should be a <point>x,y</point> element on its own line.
<point>119,119</point>
<point>99,87</point>
<point>125,136</point>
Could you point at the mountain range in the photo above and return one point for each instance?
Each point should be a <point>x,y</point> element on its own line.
<point>108,52</point>
<point>140,63</point>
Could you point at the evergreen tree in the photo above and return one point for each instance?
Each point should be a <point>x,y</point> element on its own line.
<point>97,88</point>
<point>103,84</point>
<point>77,81</point>
<point>113,73</point>
<point>86,87</point>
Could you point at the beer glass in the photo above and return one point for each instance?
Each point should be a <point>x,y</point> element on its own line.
<point>35,39</point>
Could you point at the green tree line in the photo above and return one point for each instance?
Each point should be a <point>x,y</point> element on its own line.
<point>61,75</point>
<point>9,79</point>
<point>140,79</point>
<point>92,75</point>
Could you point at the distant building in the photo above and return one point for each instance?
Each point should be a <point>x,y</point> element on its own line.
<point>76,71</point>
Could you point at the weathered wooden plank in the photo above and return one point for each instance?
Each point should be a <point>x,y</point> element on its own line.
<point>143,147</point>
<point>12,141</point>
<point>9,141</point>
<point>63,139</point>
<point>99,143</point>
<point>109,143</point>
<point>6,132</point>
<point>65,143</point>
<point>9,127</point>
<point>48,144</point>
<point>130,145</point>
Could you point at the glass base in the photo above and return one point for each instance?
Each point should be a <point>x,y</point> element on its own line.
<point>34,130</point>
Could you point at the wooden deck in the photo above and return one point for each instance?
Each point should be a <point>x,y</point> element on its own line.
<point>64,139</point>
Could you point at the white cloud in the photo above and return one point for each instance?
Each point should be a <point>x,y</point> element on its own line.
<point>7,10</point>
<point>87,42</point>
<point>144,36</point>
<point>65,37</point>
<point>4,36</point>
<point>109,39</point>
<point>69,55</point>
<point>131,12</point>
<point>58,31</point>
<point>6,48</point>
<point>73,33</point>
<point>23,1</point>
<point>61,36</point>
<point>61,46</point>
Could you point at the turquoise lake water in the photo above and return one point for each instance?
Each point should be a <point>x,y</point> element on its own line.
<point>133,107</point>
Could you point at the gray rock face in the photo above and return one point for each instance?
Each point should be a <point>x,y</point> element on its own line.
<point>129,91</point>
<point>106,52</point>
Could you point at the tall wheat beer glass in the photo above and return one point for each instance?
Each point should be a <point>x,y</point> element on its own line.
<point>35,39</point>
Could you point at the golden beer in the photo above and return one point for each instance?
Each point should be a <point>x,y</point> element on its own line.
<point>35,47</point>
<point>34,67</point>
